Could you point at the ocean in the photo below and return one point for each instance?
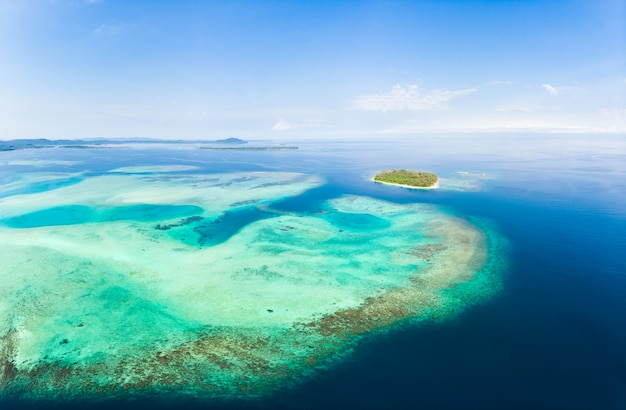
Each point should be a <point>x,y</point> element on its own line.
<point>546,330</point>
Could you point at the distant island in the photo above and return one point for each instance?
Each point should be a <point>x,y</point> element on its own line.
<point>254,148</point>
<point>408,179</point>
<point>230,140</point>
<point>19,144</point>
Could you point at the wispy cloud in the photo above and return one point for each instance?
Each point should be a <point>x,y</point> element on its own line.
<point>517,108</point>
<point>282,125</point>
<point>409,98</point>
<point>500,82</point>
<point>549,88</point>
<point>112,29</point>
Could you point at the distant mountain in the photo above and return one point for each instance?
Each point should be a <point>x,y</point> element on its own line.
<point>231,140</point>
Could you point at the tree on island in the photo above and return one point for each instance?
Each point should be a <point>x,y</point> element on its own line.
<point>419,179</point>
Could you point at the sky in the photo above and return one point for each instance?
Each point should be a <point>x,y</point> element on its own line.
<point>192,69</point>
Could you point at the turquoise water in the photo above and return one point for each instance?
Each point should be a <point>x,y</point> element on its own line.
<point>38,186</point>
<point>217,282</point>
<point>81,214</point>
<point>357,222</point>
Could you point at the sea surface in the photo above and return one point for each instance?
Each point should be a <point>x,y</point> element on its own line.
<point>552,336</point>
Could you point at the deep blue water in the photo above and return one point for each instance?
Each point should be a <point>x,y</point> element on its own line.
<point>226,225</point>
<point>554,338</point>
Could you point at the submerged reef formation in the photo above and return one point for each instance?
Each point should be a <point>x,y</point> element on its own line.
<point>194,285</point>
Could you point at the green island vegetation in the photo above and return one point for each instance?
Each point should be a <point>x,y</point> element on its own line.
<point>418,179</point>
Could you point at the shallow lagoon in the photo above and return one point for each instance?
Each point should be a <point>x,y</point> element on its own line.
<point>331,190</point>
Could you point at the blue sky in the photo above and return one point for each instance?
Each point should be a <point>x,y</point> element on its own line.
<point>304,69</point>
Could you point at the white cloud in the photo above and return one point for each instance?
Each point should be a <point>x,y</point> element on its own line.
<point>500,82</point>
<point>613,119</point>
<point>112,29</point>
<point>549,88</point>
<point>409,98</point>
<point>517,108</point>
<point>282,125</point>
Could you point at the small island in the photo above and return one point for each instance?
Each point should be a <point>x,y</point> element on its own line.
<point>408,179</point>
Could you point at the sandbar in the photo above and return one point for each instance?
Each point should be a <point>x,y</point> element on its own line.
<point>433,186</point>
